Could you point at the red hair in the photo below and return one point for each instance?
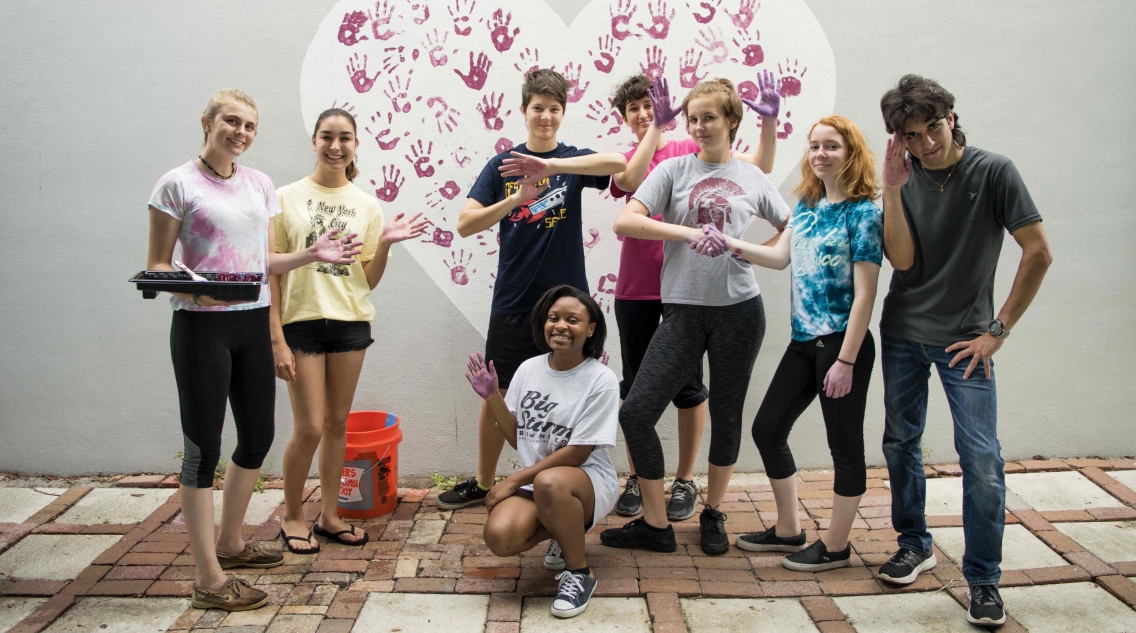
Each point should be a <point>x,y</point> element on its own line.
<point>857,178</point>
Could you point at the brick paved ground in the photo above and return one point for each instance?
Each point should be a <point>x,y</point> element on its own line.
<point>421,550</point>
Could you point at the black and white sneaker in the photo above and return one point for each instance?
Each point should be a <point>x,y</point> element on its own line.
<point>553,558</point>
<point>986,608</point>
<point>816,557</point>
<point>573,595</point>
<point>630,502</point>
<point>684,494</point>
<point>712,524</point>
<point>903,567</point>
<point>768,541</point>
<point>467,493</point>
<point>638,535</point>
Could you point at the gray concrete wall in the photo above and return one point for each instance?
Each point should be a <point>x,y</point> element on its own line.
<point>100,99</point>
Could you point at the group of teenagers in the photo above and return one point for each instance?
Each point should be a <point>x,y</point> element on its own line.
<point>685,289</point>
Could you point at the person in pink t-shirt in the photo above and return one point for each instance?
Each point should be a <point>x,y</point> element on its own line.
<point>638,304</point>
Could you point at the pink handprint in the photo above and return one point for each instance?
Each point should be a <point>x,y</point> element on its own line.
<point>461,157</point>
<point>656,64</point>
<point>740,146</point>
<point>572,75</point>
<point>478,72</point>
<point>415,6</point>
<point>786,127</point>
<point>445,116</point>
<point>602,114</point>
<point>395,58</point>
<point>345,106</point>
<point>450,190</point>
<point>601,295</point>
<point>441,237</point>
<point>752,54</point>
<point>460,12</point>
<point>744,17</point>
<point>489,111</point>
<point>391,184</point>
<point>790,80</point>
<point>458,268</point>
<point>712,42</point>
<point>688,69</point>
<point>748,90</point>
<point>349,31</point>
<point>395,91</point>
<point>435,47</point>
<point>499,30</point>
<point>592,242</point>
<point>606,59</point>
<point>384,11</point>
<point>421,160</point>
<point>711,9</point>
<point>604,358</point>
<point>621,19</point>
<point>503,145</point>
<point>389,144</point>
<point>492,276</point>
<point>528,56</point>
<point>660,21</point>
<point>358,73</point>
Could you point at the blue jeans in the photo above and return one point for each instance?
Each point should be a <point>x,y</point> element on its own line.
<point>974,408</point>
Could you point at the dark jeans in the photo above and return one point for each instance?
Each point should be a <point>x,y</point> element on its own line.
<point>974,408</point>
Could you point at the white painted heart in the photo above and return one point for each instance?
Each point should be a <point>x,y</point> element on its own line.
<point>435,88</point>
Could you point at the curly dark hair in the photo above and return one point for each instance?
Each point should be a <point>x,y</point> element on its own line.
<point>922,99</point>
<point>547,82</point>
<point>633,89</point>
<point>593,347</point>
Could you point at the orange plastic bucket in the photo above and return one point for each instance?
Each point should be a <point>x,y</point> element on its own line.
<point>368,487</point>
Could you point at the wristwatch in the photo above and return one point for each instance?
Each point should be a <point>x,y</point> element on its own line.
<point>996,329</point>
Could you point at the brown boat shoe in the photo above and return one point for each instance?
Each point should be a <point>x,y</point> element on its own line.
<point>234,595</point>
<point>253,555</point>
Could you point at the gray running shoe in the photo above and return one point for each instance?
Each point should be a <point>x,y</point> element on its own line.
<point>684,495</point>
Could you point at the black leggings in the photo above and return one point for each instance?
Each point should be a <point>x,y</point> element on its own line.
<point>730,336</point>
<point>221,356</point>
<point>799,379</point>
<point>638,319</point>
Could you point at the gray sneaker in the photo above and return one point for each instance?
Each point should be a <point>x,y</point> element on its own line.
<point>684,495</point>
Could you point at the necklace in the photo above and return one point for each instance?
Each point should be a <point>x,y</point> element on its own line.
<point>231,173</point>
<point>941,185</point>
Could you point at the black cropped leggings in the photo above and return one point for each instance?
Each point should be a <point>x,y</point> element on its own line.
<point>221,356</point>
<point>730,336</point>
<point>798,380</point>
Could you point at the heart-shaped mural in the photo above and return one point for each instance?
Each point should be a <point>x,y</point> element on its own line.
<point>436,90</point>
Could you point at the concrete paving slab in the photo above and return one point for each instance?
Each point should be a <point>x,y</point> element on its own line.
<point>933,612</point>
<point>1070,608</point>
<point>261,506</point>
<point>1126,477</point>
<point>121,615</point>
<point>944,496</point>
<point>732,615</point>
<point>12,610</point>
<point>1020,548</point>
<point>739,479</point>
<point>116,505</point>
<point>1112,541</point>
<point>1067,490</point>
<point>604,615</point>
<point>53,557</point>
<point>423,613</point>
<point>426,532</point>
<point>17,504</point>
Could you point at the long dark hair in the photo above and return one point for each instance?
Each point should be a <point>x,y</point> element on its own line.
<point>593,347</point>
<point>919,98</point>
<point>352,169</point>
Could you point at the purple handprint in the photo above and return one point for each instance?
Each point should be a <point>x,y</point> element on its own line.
<point>688,69</point>
<point>499,30</point>
<point>621,19</point>
<point>349,31</point>
<point>606,59</point>
<point>711,9</point>
<point>434,45</point>
<point>445,116</point>
<point>391,184</point>
<point>458,269</point>
<point>744,17</point>
<point>656,64</point>
<point>712,42</point>
<point>395,91</point>
<point>490,111</point>
<point>752,54</point>
<point>526,57</point>
<point>358,74</point>
<point>503,145</point>
<point>597,110</point>
<point>572,75</point>
<point>377,119</point>
<point>460,12</point>
<point>660,21</point>
<point>450,190</point>
<point>441,238</point>
<point>478,72</point>
<point>384,11</point>
<point>421,160</point>
<point>415,6</point>
<point>790,79</point>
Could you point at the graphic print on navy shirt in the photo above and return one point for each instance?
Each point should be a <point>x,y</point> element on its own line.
<point>542,242</point>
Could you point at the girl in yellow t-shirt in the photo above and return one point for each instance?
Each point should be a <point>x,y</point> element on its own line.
<point>321,320</point>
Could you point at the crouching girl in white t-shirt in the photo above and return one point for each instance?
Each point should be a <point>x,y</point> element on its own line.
<point>561,414</point>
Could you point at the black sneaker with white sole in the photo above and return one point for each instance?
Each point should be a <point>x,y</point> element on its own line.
<point>630,502</point>
<point>684,494</point>
<point>553,558</point>
<point>768,541</point>
<point>573,594</point>
<point>986,608</point>
<point>712,524</point>
<point>816,557</point>
<point>905,565</point>
<point>637,534</point>
<point>466,493</point>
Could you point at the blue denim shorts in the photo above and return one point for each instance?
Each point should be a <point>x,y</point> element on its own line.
<point>327,336</point>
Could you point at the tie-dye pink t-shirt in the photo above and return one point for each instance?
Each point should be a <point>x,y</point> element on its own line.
<point>641,261</point>
<point>224,223</point>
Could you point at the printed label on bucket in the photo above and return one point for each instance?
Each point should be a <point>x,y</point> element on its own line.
<point>355,485</point>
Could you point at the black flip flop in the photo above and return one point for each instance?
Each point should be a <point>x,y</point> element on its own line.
<point>307,539</point>
<point>336,536</point>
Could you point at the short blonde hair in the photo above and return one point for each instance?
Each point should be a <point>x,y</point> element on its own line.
<point>228,95</point>
<point>727,97</point>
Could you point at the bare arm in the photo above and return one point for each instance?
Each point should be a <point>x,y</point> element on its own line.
<point>865,278</point>
<point>475,217</point>
<point>630,179</point>
<point>537,169</point>
<point>505,419</point>
<point>282,356</point>
<point>772,254</point>
<point>565,456</point>
<point>766,147</point>
<point>328,248</point>
<point>898,245</point>
<point>633,221</point>
<point>164,230</point>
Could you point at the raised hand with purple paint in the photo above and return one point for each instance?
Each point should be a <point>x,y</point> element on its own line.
<point>481,376</point>
<point>478,71</point>
<point>769,104</point>
<point>662,105</point>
